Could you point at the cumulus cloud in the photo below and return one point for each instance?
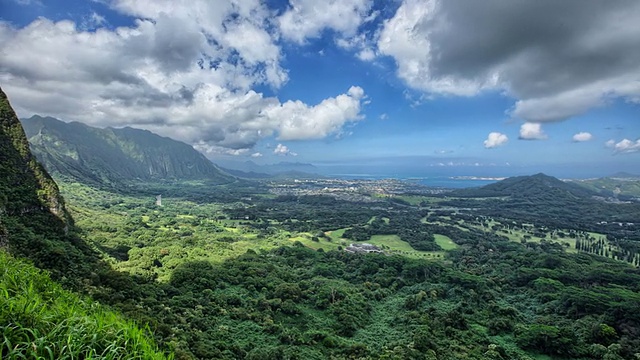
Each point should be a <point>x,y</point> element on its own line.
<point>532,131</point>
<point>624,146</point>
<point>188,75</point>
<point>557,60</point>
<point>283,150</point>
<point>582,137</point>
<point>297,120</point>
<point>307,18</point>
<point>495,139</point>
<point>256,155</point>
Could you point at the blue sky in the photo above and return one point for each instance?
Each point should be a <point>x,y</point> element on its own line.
<point>498,88</point>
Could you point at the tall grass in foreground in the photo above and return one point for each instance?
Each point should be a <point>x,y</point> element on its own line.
<point>40,320</point>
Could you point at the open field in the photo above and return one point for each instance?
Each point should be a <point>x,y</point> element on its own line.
<point>445,242</point>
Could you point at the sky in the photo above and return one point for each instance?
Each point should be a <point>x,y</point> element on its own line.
<point>476,87</point>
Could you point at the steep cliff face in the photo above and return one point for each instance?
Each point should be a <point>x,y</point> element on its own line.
<point>25,186</point>
<point>33,220</point>
<point>110,156</point>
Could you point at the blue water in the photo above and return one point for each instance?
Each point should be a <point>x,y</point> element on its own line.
<point>449,182</point>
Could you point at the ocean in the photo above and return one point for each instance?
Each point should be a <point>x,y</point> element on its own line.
<point>440,181</point>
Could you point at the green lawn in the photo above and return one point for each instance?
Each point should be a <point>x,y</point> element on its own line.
<point>336,235</point>
<point>445,242</point>
<point>322,243</point>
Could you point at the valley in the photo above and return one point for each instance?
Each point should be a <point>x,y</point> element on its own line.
<point>529,267</point>
<point>255,264</point>
<point>319,180</point>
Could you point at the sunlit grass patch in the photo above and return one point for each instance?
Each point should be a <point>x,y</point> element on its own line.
<point>445,242</point>
<point>40,320</point>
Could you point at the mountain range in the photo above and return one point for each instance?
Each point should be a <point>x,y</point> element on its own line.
<point>249,169</point>
<point>110,156</point>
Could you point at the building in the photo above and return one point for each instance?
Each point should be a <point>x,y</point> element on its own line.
<point>363,248</point>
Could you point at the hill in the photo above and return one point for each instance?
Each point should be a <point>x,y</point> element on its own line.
<point>538,186</point>
<point>547,200</point>
<point>624,175</point>
<point>622,186</point>
<point>112,156</point>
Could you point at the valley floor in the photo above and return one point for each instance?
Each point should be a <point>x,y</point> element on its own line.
<point>233,272</point>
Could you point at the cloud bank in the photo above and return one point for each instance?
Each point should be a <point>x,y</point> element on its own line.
<point>557,60</point>
<point>184,69</point>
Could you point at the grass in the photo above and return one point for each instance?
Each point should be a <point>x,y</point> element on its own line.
<point>445,242</point>
<point>336,235</point>
<point>40,320</point>
<point>322,243</point>
<point>395,245</point>
<point>393,242</point>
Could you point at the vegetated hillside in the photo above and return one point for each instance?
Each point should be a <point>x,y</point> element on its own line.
<point>622,186</point>
<point>111,156</point>
<point>33,219</point>
<point>538,187</point>
<point>547,200</point>
<point>37,318</point>
<point>40,320</point>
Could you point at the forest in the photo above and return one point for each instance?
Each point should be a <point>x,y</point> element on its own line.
<point>265,277</point>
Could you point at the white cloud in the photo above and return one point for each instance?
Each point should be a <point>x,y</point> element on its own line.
<point>283,150</point>
<point>218,150</point>
<point>624,146</point>
<point>93,21</point>
<point>308,18</point>
<point>406,38</point>
<point>384,116</point>
<point>582,136</point>
<point>363,47</point>
<point>557,61</point>
<point>297,120</point>
<point>495,139</point>
<point>156,75</point>
<point>29,2</point>
<point>256,155</point>
<point>366,54</point>
<point>532,131</point>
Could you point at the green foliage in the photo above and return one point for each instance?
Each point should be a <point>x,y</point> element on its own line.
<point>112,157</point>
<point>621,186</point>
<point>223,273</point>
<point>38,319</point>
